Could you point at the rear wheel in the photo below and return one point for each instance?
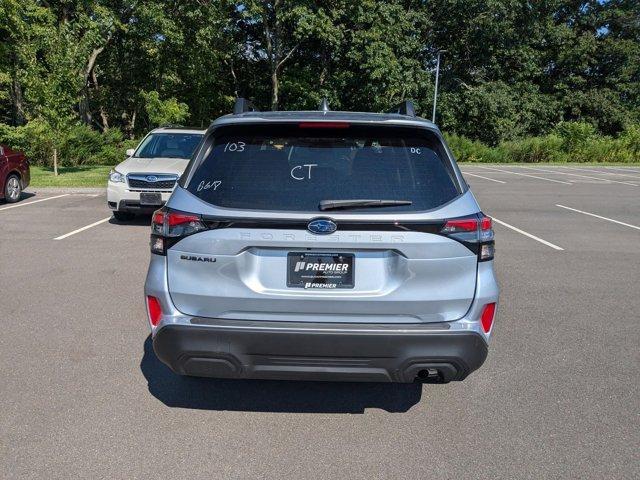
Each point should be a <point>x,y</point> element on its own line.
<point>12,189</point>
<point>123,216</point>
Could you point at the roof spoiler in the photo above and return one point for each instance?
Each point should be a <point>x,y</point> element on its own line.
<point>243,105</point>
<point>404,108</point>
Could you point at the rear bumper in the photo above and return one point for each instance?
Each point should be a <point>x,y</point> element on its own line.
<point>312,351</point>
<point>120,198</point>
<point>133,206</point>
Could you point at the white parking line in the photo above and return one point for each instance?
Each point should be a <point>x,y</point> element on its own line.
<point>62,237</point>
<point>623,169</point>
<point>22,204</point>
<point>602,172</point>
<point>616,171</point>
<point>527,175</point>
<point>484,178</point>
<point>583,176</point>
<point>526,234</point>
<point>599,216</point>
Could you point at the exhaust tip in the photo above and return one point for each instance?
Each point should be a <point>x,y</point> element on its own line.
<point>429,375</point>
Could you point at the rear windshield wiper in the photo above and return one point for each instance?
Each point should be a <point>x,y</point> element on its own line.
<point>337,204</point>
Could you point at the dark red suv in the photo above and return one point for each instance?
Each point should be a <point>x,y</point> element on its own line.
<point>14,174</point>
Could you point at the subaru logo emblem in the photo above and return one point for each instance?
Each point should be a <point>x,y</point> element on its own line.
<point>322,226</point>
<point>152,178</point>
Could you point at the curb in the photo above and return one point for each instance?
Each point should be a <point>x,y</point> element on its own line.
<point>66,190</point>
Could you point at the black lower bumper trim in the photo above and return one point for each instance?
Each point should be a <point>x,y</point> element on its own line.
<point>319,352</point>
<point>134,206</point>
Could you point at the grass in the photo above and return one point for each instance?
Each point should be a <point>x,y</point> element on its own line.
<point>82,176</point>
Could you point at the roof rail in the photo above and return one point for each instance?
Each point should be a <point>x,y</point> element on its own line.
<point>171,125</point>
<point>404,108</point>
<point>243,105</point>
<point>324,105</point>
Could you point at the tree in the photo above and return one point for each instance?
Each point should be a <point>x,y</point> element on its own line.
<point>511,69</point>
<point>164,112</point>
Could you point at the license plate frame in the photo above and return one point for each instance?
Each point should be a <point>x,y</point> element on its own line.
<point>150,199</point>
<point>328,270</point>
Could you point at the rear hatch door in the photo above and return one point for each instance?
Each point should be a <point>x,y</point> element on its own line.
<point>271,252</point>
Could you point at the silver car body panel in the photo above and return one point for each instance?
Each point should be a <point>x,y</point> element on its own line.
<point>404,277</point>
<point>401,277</point>
<point>486,291</point>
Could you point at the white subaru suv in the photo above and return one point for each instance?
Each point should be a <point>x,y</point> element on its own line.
<point>145,180</point>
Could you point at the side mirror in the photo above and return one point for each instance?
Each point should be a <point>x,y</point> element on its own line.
<point>130,152</point>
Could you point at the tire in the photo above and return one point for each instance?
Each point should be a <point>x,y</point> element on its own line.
<point>12,189</point>
<point>123,216</point>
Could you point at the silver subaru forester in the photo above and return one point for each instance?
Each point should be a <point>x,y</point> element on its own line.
<point>322,245</point>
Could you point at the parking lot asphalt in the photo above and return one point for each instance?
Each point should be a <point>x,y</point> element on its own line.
<point>83,395</point>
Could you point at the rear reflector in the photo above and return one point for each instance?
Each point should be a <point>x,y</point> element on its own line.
<point>487,316</point>
<point>155,311</point>
<point>324,125</point>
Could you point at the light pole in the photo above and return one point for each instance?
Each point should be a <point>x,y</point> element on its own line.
<point>435,92</point>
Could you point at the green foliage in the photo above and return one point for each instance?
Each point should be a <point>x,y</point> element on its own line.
<point>77,145</point>
<point>496,111</point>
<point>575,135</point>
<point>630,139</point>
<point>467,150</point>
<point>36,139</point>
<point>81,145</point>
<point>512,70</point>
<point>574,142</point>
<point>164,112</point>
<point>534,150</point>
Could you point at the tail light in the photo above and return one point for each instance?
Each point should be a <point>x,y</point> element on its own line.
<point>475,232</point>
<point>488,314</point>
<point>168,227</point>
<point>154,309</point>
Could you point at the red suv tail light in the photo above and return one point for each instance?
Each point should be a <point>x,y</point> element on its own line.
<point>168,226</point>
<point>475,232</point>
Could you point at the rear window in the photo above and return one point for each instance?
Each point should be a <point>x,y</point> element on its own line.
<point>168,145</point>
<point>286,167</point>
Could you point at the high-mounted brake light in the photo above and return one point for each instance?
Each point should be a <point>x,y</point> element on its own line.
<point>154,309</point>
<point>324,125</point>
<point>167,227</point>
<point>487,316</point>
